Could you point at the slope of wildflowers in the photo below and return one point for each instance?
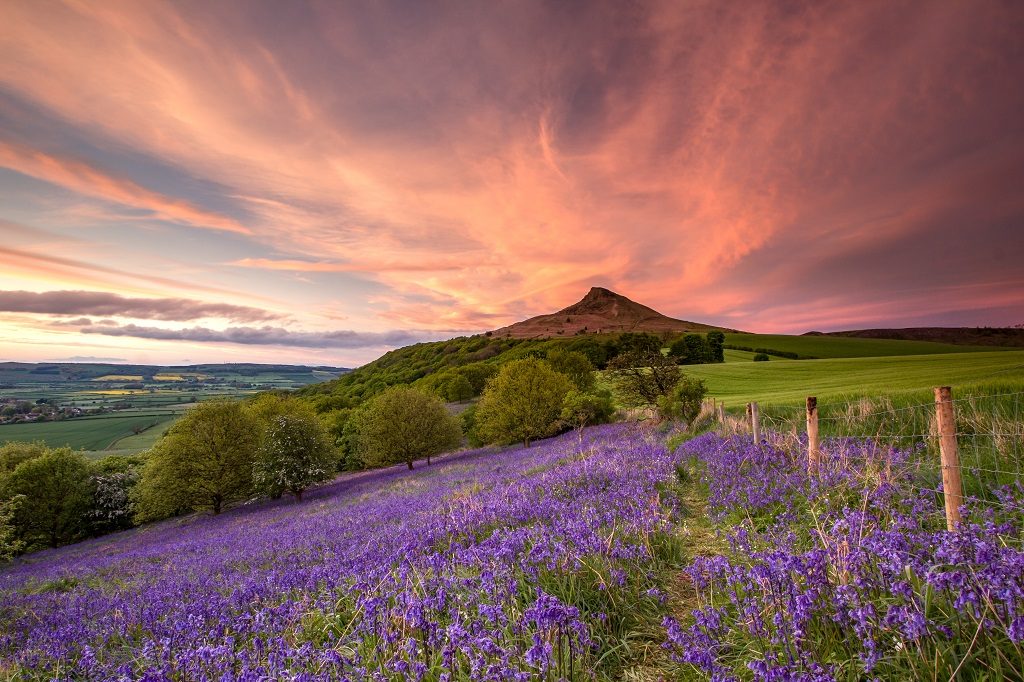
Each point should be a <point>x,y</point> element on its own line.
<point>849,574</point>
<point>522,564</point>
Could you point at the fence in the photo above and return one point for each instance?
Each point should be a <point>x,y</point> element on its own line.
<point>971,445</point>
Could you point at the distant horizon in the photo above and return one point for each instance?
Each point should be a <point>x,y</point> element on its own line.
<point>308,183</point>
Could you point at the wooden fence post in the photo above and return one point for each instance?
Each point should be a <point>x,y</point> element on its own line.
<point>952,489</point>
<point>755,422</point>
<point>721,413</point>
<point>813,447</point>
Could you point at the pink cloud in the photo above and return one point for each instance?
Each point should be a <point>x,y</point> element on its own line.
<point>490,164</point>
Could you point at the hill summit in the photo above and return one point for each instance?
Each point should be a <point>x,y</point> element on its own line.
<point>600,311</point>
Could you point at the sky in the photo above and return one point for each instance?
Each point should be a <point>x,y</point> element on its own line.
<point>319,182</point>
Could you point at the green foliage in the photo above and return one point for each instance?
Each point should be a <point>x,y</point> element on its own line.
<point>716,346</point>
<point>14,453</point>
<point>638,343</point>
<point>640,379</point>
<point>522,403</point>
<point>456,387</point>
<point>402,425</point>
<point>684,400</point>
<point>10,545</point>
<point>574,365</point>
<point>468,417</point>
<point>295,452</point>
<point>55,494</point>
<point>580,409</point>
<point>760,357</point>
<point>204,462</point>
<point>266,409</point>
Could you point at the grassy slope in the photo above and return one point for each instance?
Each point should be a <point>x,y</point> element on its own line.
<point>842,347</point>
<point>790,381</point>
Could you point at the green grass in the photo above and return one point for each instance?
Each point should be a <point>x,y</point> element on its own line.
<point>846,347</point>
<point>96,433</point>
<point>791,381</point>
<point>738,356</point>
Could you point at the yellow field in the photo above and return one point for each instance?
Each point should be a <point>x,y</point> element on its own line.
<point>179,377</point>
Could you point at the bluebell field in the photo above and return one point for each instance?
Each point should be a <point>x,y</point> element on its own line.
<point>574,559</point>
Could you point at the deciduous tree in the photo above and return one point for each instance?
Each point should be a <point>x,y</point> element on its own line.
<point>642,378</point>
<point>404,424</point>
<point>55,497</point>
<point>204,462</point>
<point>295,452</point>
<point>522,403</point>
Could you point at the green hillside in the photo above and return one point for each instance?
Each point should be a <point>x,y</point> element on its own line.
<point>815,346</point>
<point>790,381</point>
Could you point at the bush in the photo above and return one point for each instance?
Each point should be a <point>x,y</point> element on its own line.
<point>761,357</point>
<point>581,409</point>
<point>684,401</point>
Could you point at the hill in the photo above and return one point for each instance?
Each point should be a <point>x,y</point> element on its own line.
<point>969,336</point>
<point>600,311</point>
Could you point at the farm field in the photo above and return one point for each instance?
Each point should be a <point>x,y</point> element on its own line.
<point>791,381</point>
<point>97,433</point>
<point>849,347</point>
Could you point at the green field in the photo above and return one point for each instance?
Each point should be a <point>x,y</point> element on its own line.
<point>791,381</point>
<point>109,431</point>
<point>848,347</point>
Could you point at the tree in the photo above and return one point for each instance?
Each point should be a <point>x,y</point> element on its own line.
<point>403,424</point>
<point>641,378</point>
<point>638,343</point>
<point>14,453</point>
<point>113,478</point>
<point>10,545</point>
<point>55,498</point>
<point>455,388</point>
<point>204,462</point>
<point>684,401</point>
<point>522,403</point>
<point>574,365</point>
<point>581,409</point>
<point>295,453</point>
<point>266,408</point>
<point>716,347</point>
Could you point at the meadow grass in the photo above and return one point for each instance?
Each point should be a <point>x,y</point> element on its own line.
<point>848,347</point>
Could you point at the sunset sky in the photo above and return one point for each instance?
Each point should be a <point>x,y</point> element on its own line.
<point>319,182</point>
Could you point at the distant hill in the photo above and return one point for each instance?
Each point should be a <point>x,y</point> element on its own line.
<point>50,372</point>
<point>1012,337</point>
<point>600,311</point>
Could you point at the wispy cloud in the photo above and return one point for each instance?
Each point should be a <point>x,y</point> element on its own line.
<point>274,336</point>
<point>88,180</point>
<point>107,304</point>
